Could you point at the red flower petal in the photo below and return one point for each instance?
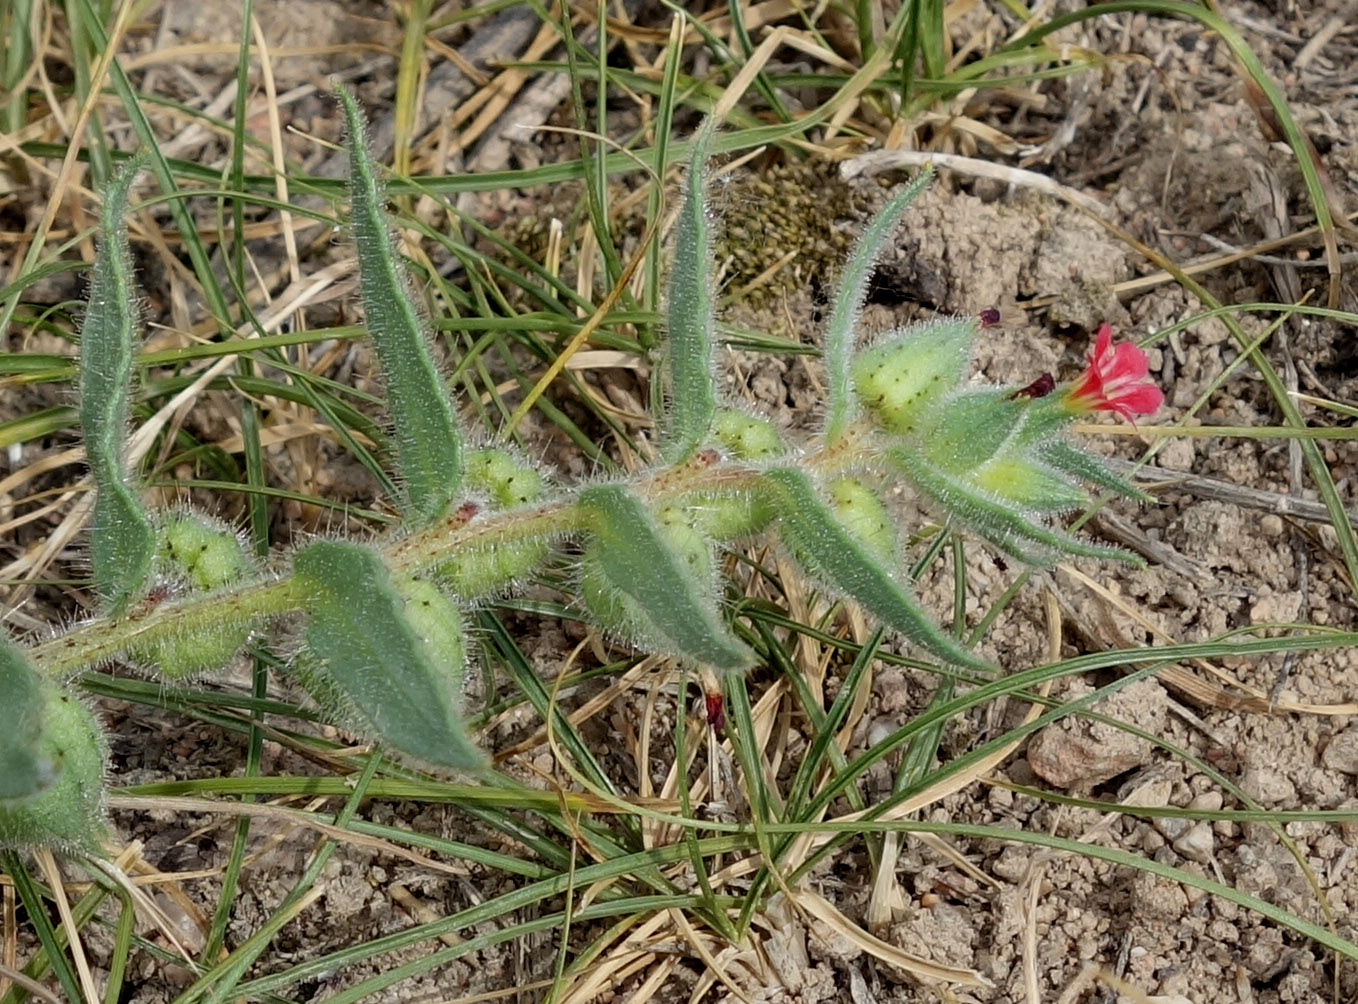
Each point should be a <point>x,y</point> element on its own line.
<point>1114,380</point>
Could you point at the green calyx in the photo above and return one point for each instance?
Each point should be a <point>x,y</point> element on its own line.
<point>500,475</point>
<point>487,569</point>
<point>728,515</point>
<point>197,554</point>
<point>863,514</point>
<point>747,437</point>
<point>437,622</point>
<point>201,551</point>
<point>900,381</point>
<point>991,442</point>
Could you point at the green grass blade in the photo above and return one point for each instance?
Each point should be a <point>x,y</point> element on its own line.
<point>691,316</point>
<point>828,552</point>
<point>638,562</point>
<point>655,204</point>
<point>122,951</point>
<point>122,539</point>
<point>853,287</point>
<point>498,640</point>
<point>48,936</point>
<point>359,626</point>
<point>428,441</point>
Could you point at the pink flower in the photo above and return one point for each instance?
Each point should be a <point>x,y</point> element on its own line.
<point>1114,380</point>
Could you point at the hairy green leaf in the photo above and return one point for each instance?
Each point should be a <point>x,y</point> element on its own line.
<point>66,814</point>
<point>122,538</point>
<point>841,332</point>
<point>428,440</point>
<point>691,317</point>
<point>378,648</point>
<point>674,609</point>
<point>1005,526</point>
<point>1077,463</point>
<point>832,554</point>
<point>23,769</point>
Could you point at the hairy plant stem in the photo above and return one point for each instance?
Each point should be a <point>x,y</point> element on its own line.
<point>99,640</point>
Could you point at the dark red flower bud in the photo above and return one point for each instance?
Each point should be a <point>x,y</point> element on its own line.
<point>1040,387</point>
<point>716,711</point>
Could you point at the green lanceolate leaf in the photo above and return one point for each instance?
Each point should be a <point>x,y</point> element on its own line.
<point>428,440</point>
<point>1077,463</point>
<point>23,768</point>
<point>67,813</point>
<point>1006,526</point>
<point>633,556</point>
<point>122,539</point>
<point>840,333</point>
<point>691,317</point>
<point>382,656</point>
<point>833,555</point>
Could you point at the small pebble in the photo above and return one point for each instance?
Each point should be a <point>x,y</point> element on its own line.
<point>1342,753</point>
<point>1197,844</point>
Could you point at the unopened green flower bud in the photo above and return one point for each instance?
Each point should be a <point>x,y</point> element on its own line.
<point>201,554</point>
<point>202,551</point>
<point>1027,483</point>
<point>437,621</point>
<point>502,476</point>
<point>484,569</point>
<point>747,437</point>
<point>728,515</point>
<point>197,650</point>
<point>68,813</point>
<point>863,514</point>
<point>990,441</point>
